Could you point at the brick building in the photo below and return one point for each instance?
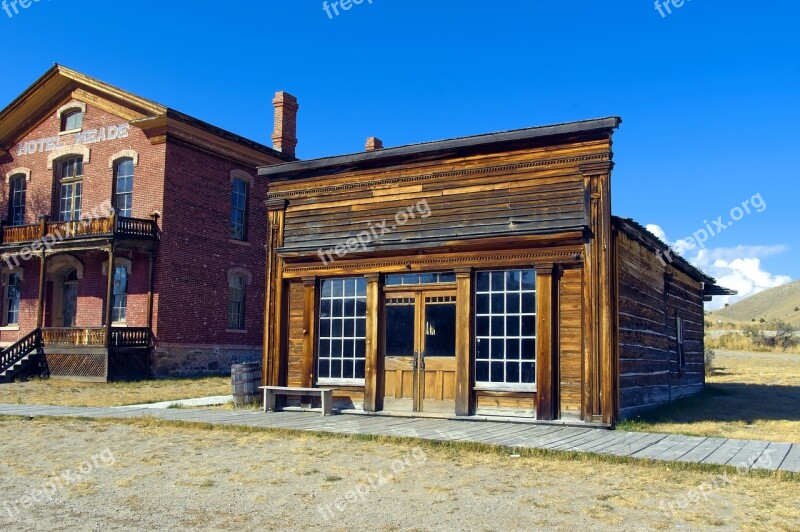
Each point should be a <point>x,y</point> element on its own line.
<point>92,176</point>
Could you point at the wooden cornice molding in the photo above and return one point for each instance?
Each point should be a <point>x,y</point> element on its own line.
<point>276,204</point>
<point>596,168</point>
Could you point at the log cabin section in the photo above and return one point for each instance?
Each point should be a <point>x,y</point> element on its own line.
<point>473,276</point>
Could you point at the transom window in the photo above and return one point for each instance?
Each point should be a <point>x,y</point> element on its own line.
<point>13,293</point>
<point>119,308</point>
<point>70,189</point>
<point>123,187</point>
<point>419,278</point>
<point>16,213</point>
<point>505,329</point>
<point>236,292</point>
<point>72,121</point>
<point>342,329</point>
<point>239,210</point>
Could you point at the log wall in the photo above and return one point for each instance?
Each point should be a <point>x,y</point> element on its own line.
<point>651,296</point>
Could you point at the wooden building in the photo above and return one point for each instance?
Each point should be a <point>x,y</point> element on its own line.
<point>476,276</point>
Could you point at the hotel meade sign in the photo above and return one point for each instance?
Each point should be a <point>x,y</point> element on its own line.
<point>89,136</point>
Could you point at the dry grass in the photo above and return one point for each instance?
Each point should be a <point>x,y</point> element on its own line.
<point>210,474</point>
<point>67,393</point>
<point>736,341</point>
<point>749,395</point>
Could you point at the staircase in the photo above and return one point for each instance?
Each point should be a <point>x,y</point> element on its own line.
<point>22,357</point>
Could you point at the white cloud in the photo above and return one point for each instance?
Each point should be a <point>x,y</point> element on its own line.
<point>738,268</point>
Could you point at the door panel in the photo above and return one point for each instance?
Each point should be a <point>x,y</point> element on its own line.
<point>399,369</point>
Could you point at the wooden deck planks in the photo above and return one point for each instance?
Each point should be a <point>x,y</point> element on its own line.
<point>660,447</point>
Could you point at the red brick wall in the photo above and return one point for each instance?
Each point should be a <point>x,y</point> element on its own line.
<point>196,252</point>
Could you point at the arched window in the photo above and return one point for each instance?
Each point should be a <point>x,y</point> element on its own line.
<point>239,209</point>
<point>236,292</point>
<point>16,200</point>
<point>72,121</point>
<point>70,189</point>
<point>123,187</point>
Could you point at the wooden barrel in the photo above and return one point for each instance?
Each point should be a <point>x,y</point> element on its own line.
<point>245,380</point>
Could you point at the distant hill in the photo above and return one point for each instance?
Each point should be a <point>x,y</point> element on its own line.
<point>774,304</point>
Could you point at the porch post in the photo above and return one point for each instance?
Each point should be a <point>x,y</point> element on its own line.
<point>109,294</point>
<point>374,374</point>
<point>309,319</point>
<point>42,284</point>
<point>150,281</point>
<point>547,315</point>
<point>464,335</point>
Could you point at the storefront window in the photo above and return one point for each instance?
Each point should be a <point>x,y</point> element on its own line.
<point>342,329</point>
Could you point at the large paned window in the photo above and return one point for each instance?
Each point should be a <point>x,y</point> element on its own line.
<point>505,329</point>
<point>16,200</point>
<point>342,329</point>
<point>123,187</point>
<point>70,180</point>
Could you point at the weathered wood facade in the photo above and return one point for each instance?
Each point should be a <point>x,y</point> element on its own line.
<point>471,276</point>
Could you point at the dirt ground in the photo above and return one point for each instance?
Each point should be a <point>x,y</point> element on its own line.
<point>147,476</point>
<point>749,396</point>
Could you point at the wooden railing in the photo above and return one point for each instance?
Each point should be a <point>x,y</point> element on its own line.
<point>10,356</point>
<point>96,337</point>
<point>53,232</point>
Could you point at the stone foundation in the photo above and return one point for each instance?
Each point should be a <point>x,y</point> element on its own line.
<point>179,361</point>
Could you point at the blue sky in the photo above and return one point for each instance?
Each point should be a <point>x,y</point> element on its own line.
<point>708,94</point>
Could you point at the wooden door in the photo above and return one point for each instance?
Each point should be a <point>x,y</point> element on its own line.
<point>420,364</point>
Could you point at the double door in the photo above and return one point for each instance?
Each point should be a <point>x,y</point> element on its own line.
<point>420,362</point>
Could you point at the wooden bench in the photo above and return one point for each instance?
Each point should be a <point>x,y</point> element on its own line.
<point>271,392</point>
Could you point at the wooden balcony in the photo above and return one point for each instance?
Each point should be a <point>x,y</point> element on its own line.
<point>53,233</point>
<point>121,337</point>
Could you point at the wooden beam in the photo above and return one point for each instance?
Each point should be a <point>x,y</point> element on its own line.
<point>374,373</point>
<point>309,322</point>
<point>109,294</point>
<point>464,334</point>
<point>273,296</point>
<point>42,285</point>
<point>545,312</point>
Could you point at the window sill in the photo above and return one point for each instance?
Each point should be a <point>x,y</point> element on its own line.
<point>240,242</point>
<point>9,328</point>
<point>499,387</point>
<point>70,131</point>
<point>118,324</point>
<point>341,382</point>
<point>236,331</point>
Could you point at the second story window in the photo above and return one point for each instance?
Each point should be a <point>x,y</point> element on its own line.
<point>72,121</point>
<point>16,200</point>
<point>239,210</point>
<point>70,189</point>
<point>123,187</point>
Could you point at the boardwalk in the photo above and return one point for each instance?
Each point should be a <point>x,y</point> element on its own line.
<point>661,447</point>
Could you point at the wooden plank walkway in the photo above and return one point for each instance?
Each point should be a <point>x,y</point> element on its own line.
<point>659,447</point>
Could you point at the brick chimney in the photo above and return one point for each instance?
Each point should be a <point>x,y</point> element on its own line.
<point>284,138</point>
<point>374,143</point>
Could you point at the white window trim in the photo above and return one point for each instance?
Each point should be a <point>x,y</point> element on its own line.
<point>18,171</point>
<point>123,154</point>
<point>341,382</point>
<point>241,174</point>
<point>71,106</point>
<point>504,387</point>
<point>77,150</point>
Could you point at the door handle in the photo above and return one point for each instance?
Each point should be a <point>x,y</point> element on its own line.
<point>422,361</point>
<point>416,355</point>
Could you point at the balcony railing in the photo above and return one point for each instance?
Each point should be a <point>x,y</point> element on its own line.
<point>53,232</point>
<point>96,337</point>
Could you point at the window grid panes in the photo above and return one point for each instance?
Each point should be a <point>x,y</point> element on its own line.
<point>420,278</point>
<point>71,190</point>
<point>17,200</point>
<point>236,302</point>
<point>72,121</point>
<point>239,210</point>
<point>505,328</point>
<point>124,188</point>
<point>118,310</point>
<point>342,329</point>
<point>13,299</point>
